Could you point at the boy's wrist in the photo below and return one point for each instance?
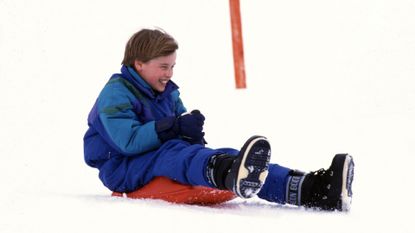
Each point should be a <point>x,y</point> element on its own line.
<point>167,128</point>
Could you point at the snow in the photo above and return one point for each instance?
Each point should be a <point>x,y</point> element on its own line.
<point>324,77</point>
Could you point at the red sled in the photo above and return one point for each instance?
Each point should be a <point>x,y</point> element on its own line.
<point>168,190</point>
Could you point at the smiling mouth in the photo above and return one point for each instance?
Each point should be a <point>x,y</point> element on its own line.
<point>164,82</point>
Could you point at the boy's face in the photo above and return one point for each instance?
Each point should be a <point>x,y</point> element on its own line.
<point>157,72</point>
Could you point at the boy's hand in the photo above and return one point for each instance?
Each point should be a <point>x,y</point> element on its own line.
<point>188,126</point>
<point>191,126</point>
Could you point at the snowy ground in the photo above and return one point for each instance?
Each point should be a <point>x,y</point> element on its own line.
<point>323,77</point>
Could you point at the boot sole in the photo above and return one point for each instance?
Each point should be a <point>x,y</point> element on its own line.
<point>346,193</point>
<point>343,192</point>
<point>253,165</point>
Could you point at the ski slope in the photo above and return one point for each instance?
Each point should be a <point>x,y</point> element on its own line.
<point>324,77</point>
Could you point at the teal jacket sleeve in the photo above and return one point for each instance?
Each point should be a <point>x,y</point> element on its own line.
<point>179,107</point>
<point>120,124</point>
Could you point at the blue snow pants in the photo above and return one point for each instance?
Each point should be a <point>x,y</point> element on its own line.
<point>184,163</point>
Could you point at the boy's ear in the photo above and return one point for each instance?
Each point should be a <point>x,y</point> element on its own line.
<point>138,65</point>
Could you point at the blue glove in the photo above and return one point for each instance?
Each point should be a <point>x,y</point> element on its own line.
<point>188,127</point>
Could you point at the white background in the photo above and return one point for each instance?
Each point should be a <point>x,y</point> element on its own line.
<point>323,77</point>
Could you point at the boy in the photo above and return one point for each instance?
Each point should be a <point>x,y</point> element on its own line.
<point>138,130</point>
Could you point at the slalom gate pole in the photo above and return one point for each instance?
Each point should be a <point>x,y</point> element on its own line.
<point>237,44</point>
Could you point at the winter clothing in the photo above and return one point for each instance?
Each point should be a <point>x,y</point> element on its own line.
<point>123,143</point>
<point>243,174</point>
<point>329,189</point>
<point>189,127</point>
<point>136,134</point>
<point>274,188</point>
<point>123,118</point>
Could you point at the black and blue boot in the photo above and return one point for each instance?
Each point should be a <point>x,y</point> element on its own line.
<point>329,189</point>
<point>245,173</point>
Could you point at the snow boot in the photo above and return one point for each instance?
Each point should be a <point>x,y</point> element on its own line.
<point>245,173</point>
<point>329,189</point>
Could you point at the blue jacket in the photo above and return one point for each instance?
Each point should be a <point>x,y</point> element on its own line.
<point>122,120</point>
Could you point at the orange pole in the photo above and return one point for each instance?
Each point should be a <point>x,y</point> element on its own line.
<point>237,45</point>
